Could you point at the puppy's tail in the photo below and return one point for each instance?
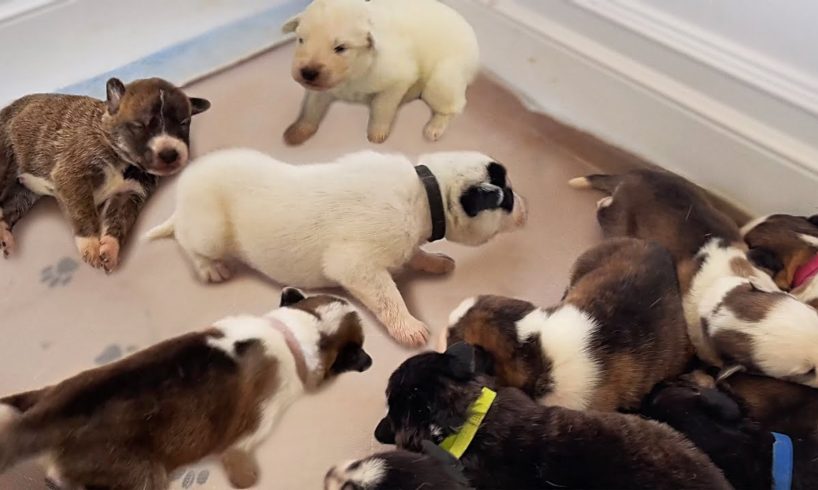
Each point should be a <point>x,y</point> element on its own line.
<point>600,182</point>
<point>165,230</point>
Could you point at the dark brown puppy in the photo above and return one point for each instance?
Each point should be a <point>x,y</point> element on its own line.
<point>619,330</point>
<point>127,425</point>
<point>521,444</point>
<point>99,158</point>
<point>735,313</point>
<point>787,247</point>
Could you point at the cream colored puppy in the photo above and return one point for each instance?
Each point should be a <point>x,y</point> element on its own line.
<point>381,53</point>
<point>349,223</point>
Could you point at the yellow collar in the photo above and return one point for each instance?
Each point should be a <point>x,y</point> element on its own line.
<point>457,443</point>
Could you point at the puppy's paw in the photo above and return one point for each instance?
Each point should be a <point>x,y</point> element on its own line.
<point>7,243</point>
<point>433,263</point>
<point>378,134</point>
<point>410,332</point>
<point>88,247</point>
<point>109,253</point>
<point>241,468</point>
<point>436,126</point>
<point>298,133</point>
<point>214,271</point>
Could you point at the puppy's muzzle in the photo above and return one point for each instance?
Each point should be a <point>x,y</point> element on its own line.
<point>168,155</point>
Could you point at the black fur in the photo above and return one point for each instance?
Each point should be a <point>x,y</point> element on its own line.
<point>492,195</point>
<point>351,357</point>
<point>813,219</point>
<point>765,259</point>
<point>521,444</point>
<point>290,296</point>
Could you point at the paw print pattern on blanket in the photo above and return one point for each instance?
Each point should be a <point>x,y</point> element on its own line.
<point>113,352</point>
<point>59,274</point>
<point>190,477</point>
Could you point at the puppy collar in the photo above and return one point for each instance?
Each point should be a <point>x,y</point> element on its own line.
<point>782,462</point>
<point>457,443</point>
<point>805,272</point>
<point>295,348</point>
<point>435,202</point>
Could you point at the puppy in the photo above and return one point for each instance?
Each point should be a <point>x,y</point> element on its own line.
<point>717,425</point>
<point>399,470</point>
<point>619,330</point>
<point>345,223</point>
<point>215,392</point>
<point>100,159</point>
<point>736,315</point>
<point>383,54</point>
<point>520,444</point>
<point>787,247</point>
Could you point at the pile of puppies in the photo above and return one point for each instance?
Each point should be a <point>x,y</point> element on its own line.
<point>680,352</point>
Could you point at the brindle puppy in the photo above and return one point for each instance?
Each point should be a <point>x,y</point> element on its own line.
<point>98,158</point>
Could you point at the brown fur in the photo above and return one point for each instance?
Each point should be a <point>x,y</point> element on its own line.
<point>76,143</point>
<point>738,344</point>
<point>748,305</point>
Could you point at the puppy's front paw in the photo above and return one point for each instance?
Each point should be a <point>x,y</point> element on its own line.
<point>241,468</point>
<point>410,332</point>
<point>378,134</point>
<point>7,243</point>
<point>440,264</point>
<point>109,253</point>
<point>436,126</point>
<point>298,133</point>
<point>88,247</point>
<point>214,271</point>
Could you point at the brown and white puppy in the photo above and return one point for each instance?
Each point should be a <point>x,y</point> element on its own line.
<point>619,330</point>
<point>129,424</point>
<point>520,444</point>
<point>735,313</point>
<point>99,159</point>
<point>787,247</point>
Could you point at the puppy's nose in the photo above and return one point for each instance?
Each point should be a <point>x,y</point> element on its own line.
<point>169,155</point>
<point>310,74</point>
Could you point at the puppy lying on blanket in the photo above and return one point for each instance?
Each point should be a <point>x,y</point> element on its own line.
<point>787,247</point>
<point>381,53</point>
<point>504,439</point>
<point>347,223</point>
<point>127,425</point>
<point>619,330</point>
<point>736,315</point>
<point>751,457</point>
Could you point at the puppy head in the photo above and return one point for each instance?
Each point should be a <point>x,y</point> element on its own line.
<point>336,329</point>
<point>428,397</point>
<point>477,195</point>
<point>781,243</point>
<point>334,43</point>
<point>149,121</point>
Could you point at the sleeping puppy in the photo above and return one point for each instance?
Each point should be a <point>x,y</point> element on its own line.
<point>619,330</point>
<point>521,444</point>
<point>349,223</point>
<point>382,54</point>
<point>735,313</point>
<point>217,392</point>
<point>787,247</point>
<point>99,159</point>
<point>716,424</point>
<point>399,470</point>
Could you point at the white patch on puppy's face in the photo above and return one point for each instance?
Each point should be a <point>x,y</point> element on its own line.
<point>477,195</point>
<point>170,154</point>
<point>752,224</point>
<point>334,43</point>
<point>365,473</point>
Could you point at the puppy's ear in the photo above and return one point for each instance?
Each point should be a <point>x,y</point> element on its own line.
<point>813,219</point>
<point>466,360</point>
<point>291,25</point>
<point>114,89</point>
<point>497,174</point>
<point>291,296</point>
<point>198,105</point>
<point>766,259</point>
<point>351,357</point>
<point>481,197</point>
<point>384,432</point>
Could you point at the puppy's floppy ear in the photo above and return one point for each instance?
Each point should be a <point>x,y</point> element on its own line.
<point>467,360</point>
<point>291,296</point>
<point>766,259</point>
<point>198,105</point>
<point>291,25</point>
<point>114,89</point>
<point>813,219</point>
<point>384,432</point>
<point>481,197</point>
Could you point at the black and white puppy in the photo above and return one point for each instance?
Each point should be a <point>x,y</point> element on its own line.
<point>521,444</point>
<point>717,424</point>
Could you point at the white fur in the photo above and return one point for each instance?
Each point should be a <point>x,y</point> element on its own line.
<point>461,310</point>
<point>809,239</point>
<point>807,292</point>
<point>398,50</point>
<point>164,141</point>
<point>348,222</point>
<point>564,336</point>
<point>753,223</point>
<point>368,474</point>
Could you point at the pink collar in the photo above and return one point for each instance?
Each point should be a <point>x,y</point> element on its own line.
<point>295,348</point>
<point>805,272</point>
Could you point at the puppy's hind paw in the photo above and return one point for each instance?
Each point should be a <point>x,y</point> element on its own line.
<point>7,243</point>
<point>214,271</point>
<point>378,134</point>
<point>436,126</point>
<point>89,249</point>
<point>109,253</point>
<point>298,133</point>
<point>411,333</point>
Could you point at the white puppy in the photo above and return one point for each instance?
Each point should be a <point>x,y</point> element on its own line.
<point>346,223</point>
<point>381,53</point>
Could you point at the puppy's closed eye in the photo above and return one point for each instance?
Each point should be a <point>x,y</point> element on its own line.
<point>341,49</point>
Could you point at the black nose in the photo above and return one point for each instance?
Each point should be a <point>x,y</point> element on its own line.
<point>309,74</point>
<point>169,155</point>
<point>384,432</point>
<point>364,362</point>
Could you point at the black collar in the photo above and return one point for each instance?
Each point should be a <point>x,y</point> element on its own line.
<point>435,202</point>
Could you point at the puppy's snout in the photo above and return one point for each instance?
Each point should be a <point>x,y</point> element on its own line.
<point>169,155</point>
<point>310,73</point>
<point>364,362</point>
<point>520,212</point>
